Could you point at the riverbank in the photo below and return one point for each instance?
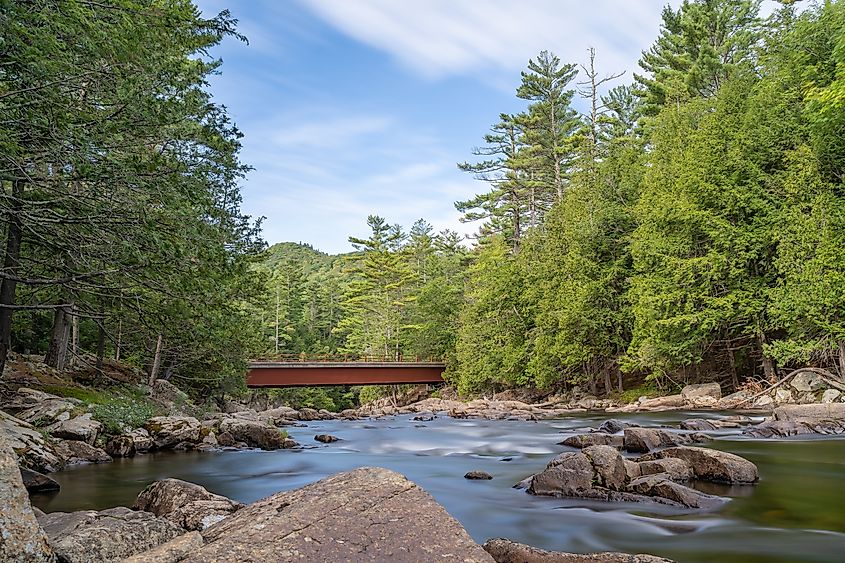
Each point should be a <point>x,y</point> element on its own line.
<point>787,512</point>
<point>123,417</point>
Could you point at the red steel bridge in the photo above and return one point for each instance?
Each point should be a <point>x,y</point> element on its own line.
<point>315,371</point>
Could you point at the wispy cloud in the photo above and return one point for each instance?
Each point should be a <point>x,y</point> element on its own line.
<point>445,37</point>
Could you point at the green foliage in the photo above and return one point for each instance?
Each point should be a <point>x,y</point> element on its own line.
<point>122,413</point>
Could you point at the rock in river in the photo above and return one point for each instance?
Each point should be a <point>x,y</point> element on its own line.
<point>478,475</point>
<point>712,465</point>
<point>368,514</point>
<point>189,505</point>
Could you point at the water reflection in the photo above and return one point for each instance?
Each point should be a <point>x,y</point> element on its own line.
<point>796,513</point>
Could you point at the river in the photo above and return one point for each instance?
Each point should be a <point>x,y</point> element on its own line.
<point>795,513</point>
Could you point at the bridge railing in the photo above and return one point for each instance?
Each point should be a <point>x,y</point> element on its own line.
<point>342,358</point>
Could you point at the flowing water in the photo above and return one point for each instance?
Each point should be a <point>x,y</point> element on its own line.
<point>795,513</point>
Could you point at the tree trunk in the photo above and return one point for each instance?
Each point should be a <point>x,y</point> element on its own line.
<point>734,376</point>
<point>59,335</point>
<point>74,338</point>
<point>119,336</point>
<point>768,363</point>
<point>156,361</point>
<point>101,344</point>
<point>842,360</point>
<point>619,378</point>
<point>11,261</point>
<point>608,384</point>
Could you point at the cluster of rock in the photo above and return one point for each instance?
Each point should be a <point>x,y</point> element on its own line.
<point>49,433</point>
<point>369,514</point>
<point>601,473</point>
<point>793,420</point>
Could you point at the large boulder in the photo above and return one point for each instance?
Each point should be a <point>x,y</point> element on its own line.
<point>82,428</point>
<point>643,440</point>
<point>256,434</point>
<point>506,551</point>
<point>593,439</point>
<point>662,403</point>
<point>33,450</point>
<point>702,395</point>
<point>108,535</point>
<point>121,446</point>
<point>47,412</point>
<point>189,505</point>
<point>810,413</point>
<point>142,440</point>
<point>570,474</point>
<point>608,467</point>
<point>713,465</point>
<point>21,539</point>
<point>169,431</point>
<point>73,452</point>
<point>807,381</point>
<point>368,514</point>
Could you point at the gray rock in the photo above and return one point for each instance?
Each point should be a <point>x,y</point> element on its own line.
<point>612,426</point>
<point>805,381</point>
<point>108,535</point>
<point>47,412</point>
<point>189,505</point>
<point>326,438</point>
<point>478,475</point>
<point>661,486</point>
<point>37,482</point>
<point>21,539</point>
<point>644,440</point>
<point>632,470</point>
<point>810,413</point>
<point>255,434</point>
<point>763,402</point>
<point>171,552</point>
<point>82,428</point>
<point>705,394</point>
<point>592,439</point>
<point>121,446</point>
<point>168,431</point>
<point>707,425</point>
<point>33,450</point>
<point>141,438</point>
<point>675,469</point>
<point>506,551</point>
<point>308,414</point>
<point>369,514</point>
<point>74,452</point>
<point>663,403</point>
<point>784,396</point>
<point>608,467</point>
<point>714,465</point>
<point>734,399</point>
<point>831,396</point>
<point>570,474</point>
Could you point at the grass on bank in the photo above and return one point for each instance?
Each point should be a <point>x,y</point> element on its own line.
<point>119,408</point>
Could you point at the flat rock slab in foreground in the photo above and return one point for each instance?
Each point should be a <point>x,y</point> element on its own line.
<point>369,514</point>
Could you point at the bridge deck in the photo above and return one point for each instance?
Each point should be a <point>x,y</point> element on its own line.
<point>308,373</point>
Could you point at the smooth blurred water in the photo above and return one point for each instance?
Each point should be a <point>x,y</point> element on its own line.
<point>795,513</point>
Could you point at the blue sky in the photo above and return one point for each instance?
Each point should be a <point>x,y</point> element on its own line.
<point>358,107</point>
